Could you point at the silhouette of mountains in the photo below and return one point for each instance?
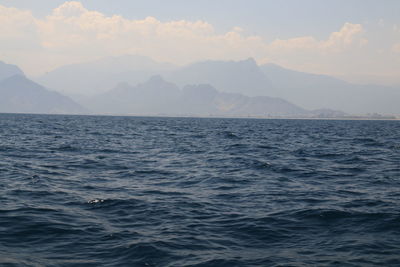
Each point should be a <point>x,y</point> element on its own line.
<point>134,85</point>
<point>242,77</point>
<point>314,91</point>
<point>159,97</point>
<point>8,70</point>
<point>152,97</point>
<point>310,91</point>
<point>20,95</point>
<point>99,76</point>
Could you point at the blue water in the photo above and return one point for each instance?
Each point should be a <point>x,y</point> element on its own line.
<point>130,191</point>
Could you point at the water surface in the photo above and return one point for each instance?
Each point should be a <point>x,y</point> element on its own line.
<point>131,191</point>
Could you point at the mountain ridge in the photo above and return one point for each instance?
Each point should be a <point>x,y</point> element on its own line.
<point>98,76</point>
<point>8,70</point>
<point>197,99</point>
<point>246,77</point>
<point>309,91</point>
<point>18,94</point>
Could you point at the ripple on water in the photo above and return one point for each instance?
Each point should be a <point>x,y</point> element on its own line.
<point>136,191</point>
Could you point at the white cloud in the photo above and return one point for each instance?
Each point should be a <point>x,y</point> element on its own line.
<point>73,33</point>
<point>349,35</point>
<point>16,27</point>
<point>70,9</point>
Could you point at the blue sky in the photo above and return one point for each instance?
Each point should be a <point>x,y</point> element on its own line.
<point>338,37</point>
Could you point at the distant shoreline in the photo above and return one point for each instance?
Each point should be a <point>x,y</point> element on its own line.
<point>349,118</point>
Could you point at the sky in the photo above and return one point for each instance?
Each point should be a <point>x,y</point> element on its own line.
<point>355,39</point>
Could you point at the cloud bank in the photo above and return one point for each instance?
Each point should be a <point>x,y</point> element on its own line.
<point>72,33</point>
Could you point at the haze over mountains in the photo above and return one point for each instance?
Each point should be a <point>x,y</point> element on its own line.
<point>141,86</point>
<point>318,91</point>
<point>241,77</point>
<point>8,70</point>
<point>99,76</point>
<point>18,94</point>
<point>157,96</point>
<point>310,91</point>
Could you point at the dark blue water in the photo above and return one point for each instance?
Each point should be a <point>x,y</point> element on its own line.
<point>126,191</point>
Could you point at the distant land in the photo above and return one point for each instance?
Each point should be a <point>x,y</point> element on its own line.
<point>96,77</point>
<point>157,96</point>
<point>18,94</point>
<point>309,91</point>
<point>137,85</point>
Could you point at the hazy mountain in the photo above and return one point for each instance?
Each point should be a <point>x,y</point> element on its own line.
<point>20,95</point>
<point>198,99</point>
<point>365,79</point>
<point>243,77</point>
<point>310,91</point>
<point>205,100</point>
<point>99,76</point>
<point>314,91</point>
<point>8,70</point>
<point>156,96</point>
<point>328,113</point>
<point>240,105</point>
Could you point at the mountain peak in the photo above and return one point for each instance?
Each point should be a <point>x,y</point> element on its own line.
<point>8,70</point>
<point>249,64</point>
<point>250,60</point>
<point>227,76</point>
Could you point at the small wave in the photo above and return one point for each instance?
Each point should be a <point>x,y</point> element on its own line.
<point>127,191</point>
<point>96,201</point>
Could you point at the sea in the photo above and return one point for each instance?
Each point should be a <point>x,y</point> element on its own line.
<point>157,191</point>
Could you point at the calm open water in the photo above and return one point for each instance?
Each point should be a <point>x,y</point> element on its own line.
<point>131,191</point>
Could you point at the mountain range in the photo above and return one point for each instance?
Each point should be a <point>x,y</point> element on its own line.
<point>99,76</point>
<point>18,94</point>
<point>159,97</point>
<point>314,91</point>
<point>141,86</point>
<point>246,77</point>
